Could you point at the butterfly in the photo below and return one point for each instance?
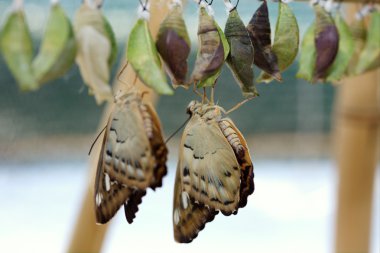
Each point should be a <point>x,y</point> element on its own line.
<point>132,158</point>
<point>214,172</point>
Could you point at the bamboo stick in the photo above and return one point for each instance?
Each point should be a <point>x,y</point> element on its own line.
<point>87,236</point>
<point>357,133</point>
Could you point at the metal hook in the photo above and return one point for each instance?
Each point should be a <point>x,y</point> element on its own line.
<point>144,6</point>
<point>236,5</point>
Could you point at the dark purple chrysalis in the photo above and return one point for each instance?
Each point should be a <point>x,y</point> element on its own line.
<point>173,44</point>
<point>260,34</point>
<point>326,42</point>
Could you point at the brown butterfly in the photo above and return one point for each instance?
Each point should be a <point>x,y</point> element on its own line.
<point>214,173</point>
<point>132,158</point>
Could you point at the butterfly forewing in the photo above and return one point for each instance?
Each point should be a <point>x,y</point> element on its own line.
<point>188,217</point>
<point>109,196</point>
<point>127,154</point>
<point>210,172</point>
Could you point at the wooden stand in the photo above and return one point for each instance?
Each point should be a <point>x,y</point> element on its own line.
<point>87,236</point>
<point>357,136</point>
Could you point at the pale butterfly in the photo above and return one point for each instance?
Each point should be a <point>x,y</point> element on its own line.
<point>132,158</point>
<point>214,172</point>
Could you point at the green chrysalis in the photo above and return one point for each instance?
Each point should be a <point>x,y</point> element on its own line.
<point>308,55</point>
<point>143,56</point>
<point>359,34</point>
<point>17,49</point>
<point>345,52</point>
<point>370,56</point>
<point>58,48</point>
<point>286,40</point>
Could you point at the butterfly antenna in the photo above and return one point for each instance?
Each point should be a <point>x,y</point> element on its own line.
<point>239,104</point>
<point>97,137</point>
<point>176,131</point>
<point>121,72</point>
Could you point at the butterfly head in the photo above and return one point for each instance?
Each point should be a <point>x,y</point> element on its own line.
<point>207,111</point>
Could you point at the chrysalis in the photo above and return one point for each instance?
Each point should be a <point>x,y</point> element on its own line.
<point>240,58</point>
<point>58,48</point>
<point>308,55</point>
<point>173,44</point>
<point>345,52</point>
<point>132,158</point>
<point>326,42</point>
<point>286,40</point>
<point>95,51</point>
<point>214,173</point>
<point>359,34</point>
<point>211,80</point>
<point>143,56</point>
<point>260,34</point>
<point>17,48</point>
<point>370,56</point>
<point>210,56</point>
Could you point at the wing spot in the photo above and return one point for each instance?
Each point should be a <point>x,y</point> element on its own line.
<point>107,181</point>
<point>195,188</point>
<point>185,199</point>
<point>227,173</point>
<point>226,203</point>
<point>204,193</point>
<point>98,198</point>
<point>186,172</point>
<point>197,157</point>
<point>108,152</point>
<point>176,216</point>
<point>188,146</point>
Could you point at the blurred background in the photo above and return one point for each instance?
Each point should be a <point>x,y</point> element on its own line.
<point>45,137</point>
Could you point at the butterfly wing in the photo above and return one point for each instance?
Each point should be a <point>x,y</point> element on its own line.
<point>159,149</point>
<point>127,154</point>
<point>210,172</point>
<point>188,217</point>
<point>130,161</point>
<point>241,150</point>
<point>109,196</point>
<point>131,205</point>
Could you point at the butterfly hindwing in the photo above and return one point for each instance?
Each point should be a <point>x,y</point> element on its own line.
<point>188,217</point>
<point>159,148</point>
<point>210,172</point>
<point>240,147</point>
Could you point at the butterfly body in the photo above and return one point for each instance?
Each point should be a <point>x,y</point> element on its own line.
<point>214,172</point>
<point>132,158</point>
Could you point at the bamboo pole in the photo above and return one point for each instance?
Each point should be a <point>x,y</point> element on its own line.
<point>87,236</point>
<point>357,133</point>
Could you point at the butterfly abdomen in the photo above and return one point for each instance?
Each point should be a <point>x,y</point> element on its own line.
<point>147,119</point>
<point>232,138</point>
